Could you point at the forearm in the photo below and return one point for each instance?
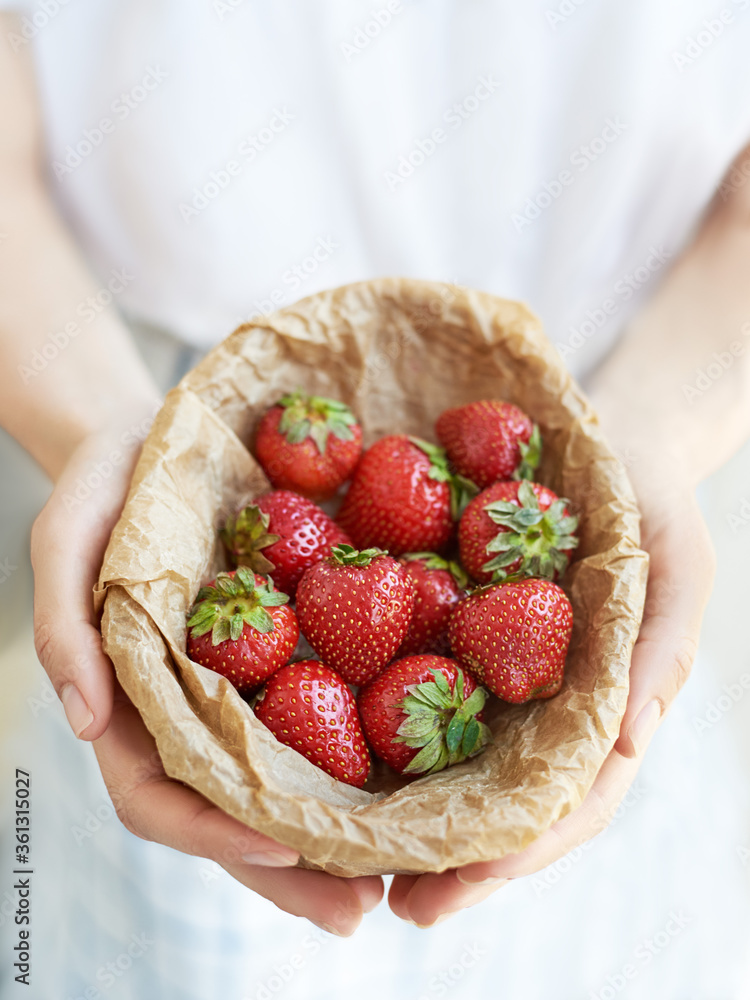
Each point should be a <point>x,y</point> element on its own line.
<point>652,399</point>
<point>68,366</point>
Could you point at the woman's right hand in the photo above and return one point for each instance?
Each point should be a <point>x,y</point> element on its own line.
<point>67,547</point>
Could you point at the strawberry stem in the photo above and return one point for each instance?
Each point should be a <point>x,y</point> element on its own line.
<point>245,535</point>
<point>442,723</point>
<point>316,417</point>
<point>347,555</point>
<point>542,540</point>
<point>224,608</point>
<point>462,490</point>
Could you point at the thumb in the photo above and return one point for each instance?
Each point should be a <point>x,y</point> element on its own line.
<point>682,566</point>
<point>67,546</point>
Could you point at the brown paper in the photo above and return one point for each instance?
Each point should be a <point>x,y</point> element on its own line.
<point>398,352</point>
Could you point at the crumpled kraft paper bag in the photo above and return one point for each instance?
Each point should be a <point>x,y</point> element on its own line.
<point>398,352</point>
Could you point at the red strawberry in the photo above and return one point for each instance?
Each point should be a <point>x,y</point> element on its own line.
<point>438,586</point>
<point>281,534</point>
<point>516,529</point>
<point>514,637</point>
<point>307,706</point>
<point>490,440</point>
<point>422,714</point>
<point>239,627</point>
<point>403,498</point>
<point>354,609</point>
<point>308,444</point>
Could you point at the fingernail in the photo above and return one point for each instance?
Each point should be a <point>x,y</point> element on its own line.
<point>270,859</point>
<point>491,880</point>
<point>645,725</point>
<point>440,919</point>
<point>328,928</point>
<point>77,712</point>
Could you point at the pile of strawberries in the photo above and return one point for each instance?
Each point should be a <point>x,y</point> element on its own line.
<point>382,592</point>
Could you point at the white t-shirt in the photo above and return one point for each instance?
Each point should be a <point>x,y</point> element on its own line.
<point>234,156</point>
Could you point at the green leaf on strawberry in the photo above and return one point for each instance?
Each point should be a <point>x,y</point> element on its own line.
<point>531,453</point>
<point>224,608</point>
<point>316,417</point>
<point>441,723</point>
<point>462,489</point>
<point>542,539</point>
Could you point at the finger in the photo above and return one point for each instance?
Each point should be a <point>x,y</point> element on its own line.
<point>331,903</point>
<point>680,581</point>
<point>156,808</point>
<point>593,815</point>
<point>400,888</point>
<point>426,900</point>
<point>369,889</point>
<point>67,547</point>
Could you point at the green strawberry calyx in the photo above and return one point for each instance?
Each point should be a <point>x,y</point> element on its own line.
<point>315,417</point>
<point>531,452</point>
<point>231,603</point>
<point>542,540</point>
<point>462,490</point>
<point>245,536</point>
<point>347,555</point>
<point>442,723</point>
<point>433,561</point>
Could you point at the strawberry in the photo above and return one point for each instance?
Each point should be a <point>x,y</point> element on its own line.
<point>422,714</point>
<point>438,586</point>
<point>490,440</point>
<point>308,444</point>
<point>307,706</point>
<point>281,533</point>
<point>354,609</point>
<point>403,497</point>
<point>240,628</point>
<point>514,637</point>
<point>516,528</point>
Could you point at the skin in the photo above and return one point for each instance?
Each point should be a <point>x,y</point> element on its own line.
<point>87,402</point>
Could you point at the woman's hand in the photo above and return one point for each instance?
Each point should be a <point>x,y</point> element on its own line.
<point>680,578</point>
<point>68,543</point>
